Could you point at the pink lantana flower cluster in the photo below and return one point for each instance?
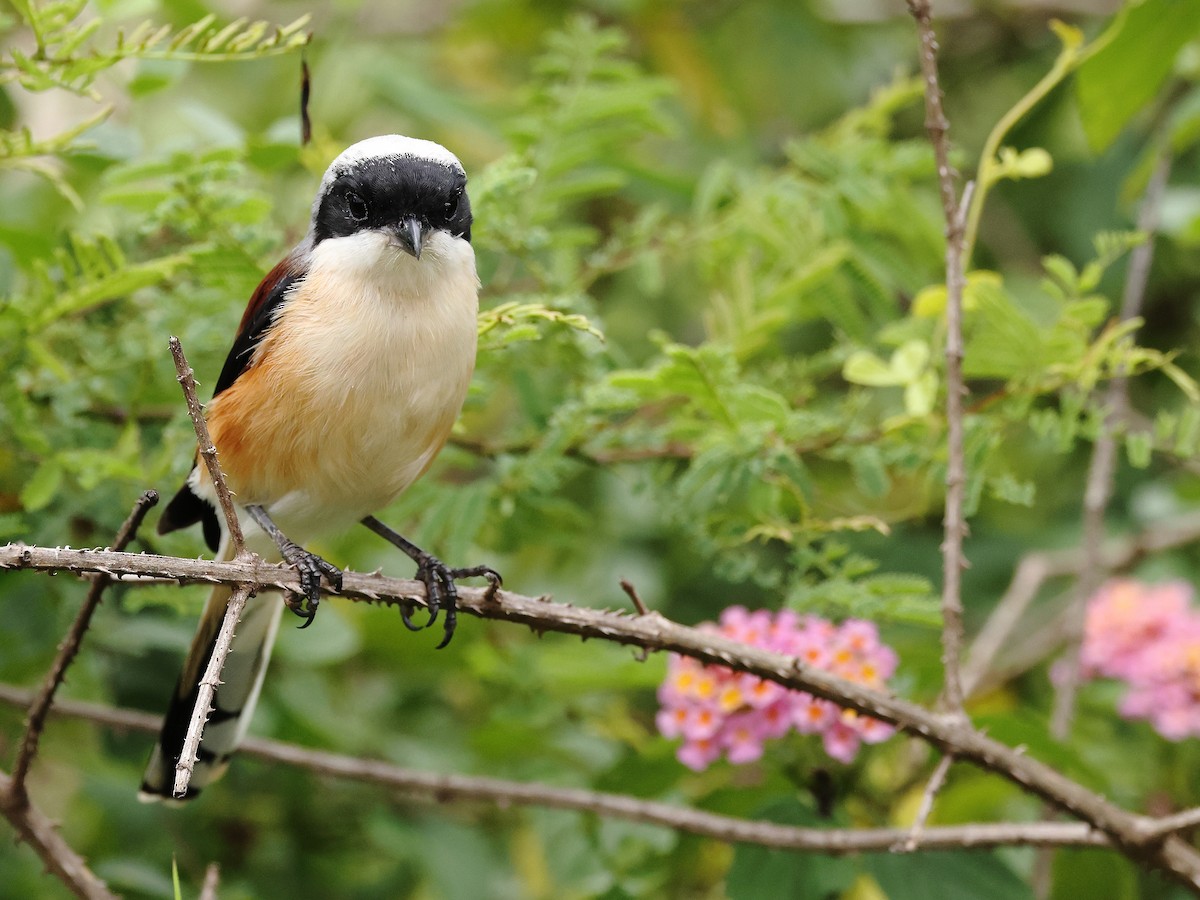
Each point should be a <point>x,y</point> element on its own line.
<point>717,711</point>
<point>1148,635</point>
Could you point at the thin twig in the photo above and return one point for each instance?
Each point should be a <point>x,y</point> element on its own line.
<point>67,650</point>
<point>1102,468</point>
<point>208,689</point>
<point>953,561</point>
<point>1035,569</point>
<point>207,451</point>
<point>639,604</point>
<point>627,586</point>
<point>212,881</point>
<point>1186,820</point>
<point>459,788</point>
<point>936,780</point>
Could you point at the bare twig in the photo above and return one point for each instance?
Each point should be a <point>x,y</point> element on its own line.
<point>1102,467</point>
<point>639,604</point>
<point>212,881</point>
<point>953,561</point>
<point>457,788</point>
<point>936,780</point>
<point>1186,820</point>
<point>1035,569</point>
<point>67,650</point>
<point>207,451</point>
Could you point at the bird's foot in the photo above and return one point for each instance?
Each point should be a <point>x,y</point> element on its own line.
<point>441,592</point>
<point>310,568</point>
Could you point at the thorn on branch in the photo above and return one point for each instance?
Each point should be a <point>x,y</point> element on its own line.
<point>639,604</point>
<point>208,452</point>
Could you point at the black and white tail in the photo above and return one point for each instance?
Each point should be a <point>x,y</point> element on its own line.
<point>236,696</point>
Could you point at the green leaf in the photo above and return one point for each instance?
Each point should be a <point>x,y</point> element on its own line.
<point>946,876</point>
<point>42,485</point>
<point>1139,445</point>
<point>1008,488</point>
<point>921,394</point>
<point>1093,873</point>
<point>864,367</point>
<point>1138,52</point>
<point>869,472</point>
<point>759,872</point>
<point>910,360</point>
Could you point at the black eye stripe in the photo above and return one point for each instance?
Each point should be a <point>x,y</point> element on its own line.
<point>380,193</point>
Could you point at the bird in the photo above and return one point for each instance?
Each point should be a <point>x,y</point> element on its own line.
<point>347,374</point>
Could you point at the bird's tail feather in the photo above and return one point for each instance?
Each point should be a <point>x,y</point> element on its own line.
<point>241,681</point>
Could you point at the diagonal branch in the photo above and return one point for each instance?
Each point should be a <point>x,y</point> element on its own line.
<point>918,831</point>
<point>207,690</point>
<point>67,650</point>
<point>41,833</point>
<point>207,452</point>
<point>237,601</point>
<point>1035,569</point>
<point>1102,468</point>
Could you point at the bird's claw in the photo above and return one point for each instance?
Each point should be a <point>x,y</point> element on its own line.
<point>310,568</point>
<point>441,592</point>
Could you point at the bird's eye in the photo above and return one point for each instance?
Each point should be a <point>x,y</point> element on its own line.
<point>357,206</point>
<point>451,206</point>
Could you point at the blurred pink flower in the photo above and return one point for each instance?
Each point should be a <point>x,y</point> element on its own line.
<point>1148,636</point>
<point>718,711</point>
<point>841,742</point>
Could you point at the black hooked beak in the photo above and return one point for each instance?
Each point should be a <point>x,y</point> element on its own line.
<point>409,234</point>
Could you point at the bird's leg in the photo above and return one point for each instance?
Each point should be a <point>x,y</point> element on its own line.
<point>438,578</point>
<point>309,565</point>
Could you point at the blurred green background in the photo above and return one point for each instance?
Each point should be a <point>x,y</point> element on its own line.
<point>739,196</point>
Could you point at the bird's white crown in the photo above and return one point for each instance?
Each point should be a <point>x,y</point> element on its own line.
<point>387,146</point>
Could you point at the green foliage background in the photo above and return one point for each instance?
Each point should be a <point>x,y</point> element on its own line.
<point>710,242</point>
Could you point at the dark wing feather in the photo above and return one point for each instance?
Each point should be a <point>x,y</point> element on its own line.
<point>185,507</point>
<point>259,314</point>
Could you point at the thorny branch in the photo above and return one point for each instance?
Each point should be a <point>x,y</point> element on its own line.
<point>241,593</point>
<point>950,734</point>
<point>205,449</point>
<point>953,561</point>
<point>34,828</point>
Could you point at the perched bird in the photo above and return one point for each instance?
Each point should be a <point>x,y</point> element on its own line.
<point>347,373</point>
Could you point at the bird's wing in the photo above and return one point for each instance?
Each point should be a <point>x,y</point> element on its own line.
<point>260,312</point>
<point>185,507</point>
